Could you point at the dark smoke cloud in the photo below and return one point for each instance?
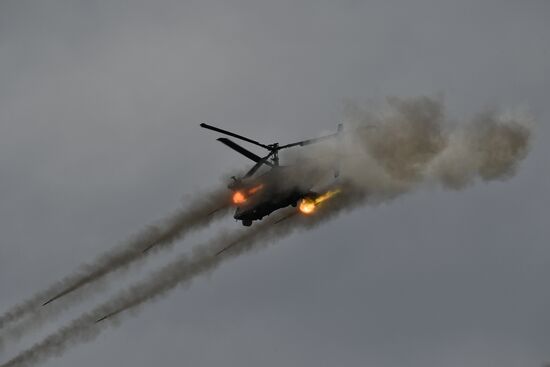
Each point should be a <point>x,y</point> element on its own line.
<point>407,138</point>
<point>200,212</point>
<point>411,142</point>
<point>490,147</point>
<point>390,153</point>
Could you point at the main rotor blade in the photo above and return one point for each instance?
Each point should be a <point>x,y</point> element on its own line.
<point>210,127</point>
<point>247,153</point>
<point>309,141</point>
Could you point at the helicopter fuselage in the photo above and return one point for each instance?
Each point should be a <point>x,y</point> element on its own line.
<point>256,196</point>
<point>261,196</point>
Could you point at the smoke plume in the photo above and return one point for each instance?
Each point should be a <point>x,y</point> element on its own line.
<point>409,144</point>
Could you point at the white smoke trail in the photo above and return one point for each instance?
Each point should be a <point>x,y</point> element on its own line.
<point>203,258</point>
<point>197,214</point>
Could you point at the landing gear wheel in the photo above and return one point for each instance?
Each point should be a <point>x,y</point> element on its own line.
<point>247,222</point>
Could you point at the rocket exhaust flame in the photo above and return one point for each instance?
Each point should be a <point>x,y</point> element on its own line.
<point>255,189</point>
<point>240,197</point>
<point>308,205</point>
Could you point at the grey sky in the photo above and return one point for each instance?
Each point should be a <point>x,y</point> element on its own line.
<point>99,109</point>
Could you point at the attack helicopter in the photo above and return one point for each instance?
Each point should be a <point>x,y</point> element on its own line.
<point>258,195</point>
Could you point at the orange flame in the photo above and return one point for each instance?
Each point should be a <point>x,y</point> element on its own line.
<point>308,205</point>
<point>238,197</point>
<point>255,189</point>
<point>327,195</point>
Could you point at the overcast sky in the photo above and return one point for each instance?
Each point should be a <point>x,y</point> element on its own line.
<point>100,102</point>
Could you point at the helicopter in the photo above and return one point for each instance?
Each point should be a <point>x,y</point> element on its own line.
<point>258,195</point>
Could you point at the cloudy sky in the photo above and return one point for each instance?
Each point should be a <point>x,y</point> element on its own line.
<point>100,102</point>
